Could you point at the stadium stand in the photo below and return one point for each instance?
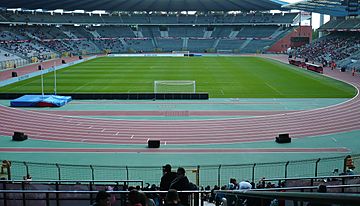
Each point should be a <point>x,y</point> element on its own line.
<point>341,47</point>
<point>173,32</point>
<point>230,44</point>
<point>200,45</point>
<point>174,44</point>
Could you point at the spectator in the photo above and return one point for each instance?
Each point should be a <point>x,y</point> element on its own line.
<point>167,178</point>
<point>27,178</point>
<point>181,183</point>
<point>213,194</point>
<point>322,189</point>
<point>234,183</point>
<point>102,199</point>
<point>137,198</point>
<point>349,172</point>
<point>244,185</point>
<point>172,198</point>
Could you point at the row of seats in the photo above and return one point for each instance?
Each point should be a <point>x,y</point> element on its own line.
<point>44,42</point>
<point>40,17</point>
<point>70,32</point>
<point>342,23</point>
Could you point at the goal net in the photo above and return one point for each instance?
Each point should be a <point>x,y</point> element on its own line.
<point>174,86</point>
<point>185,53</point>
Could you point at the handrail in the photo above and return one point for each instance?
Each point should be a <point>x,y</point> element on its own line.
<point>187,191</point>
<point>329,198</point>
<point>267,193</point>
<point>303,188</point>
<point>313,177</point>
<point>95,191</point>
<point>55,195</point>
<point>54,181</point>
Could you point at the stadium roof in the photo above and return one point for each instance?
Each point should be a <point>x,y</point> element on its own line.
<point>146,5</point>
<point>329,7</point>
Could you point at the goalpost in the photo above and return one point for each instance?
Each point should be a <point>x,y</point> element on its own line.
<point>185,53</point>
<point>174,86</point>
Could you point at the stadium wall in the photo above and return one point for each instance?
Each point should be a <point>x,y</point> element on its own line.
<point>37,73</point>
<point>283,44</point>
<point>122,96</point>
<point>147,55</point>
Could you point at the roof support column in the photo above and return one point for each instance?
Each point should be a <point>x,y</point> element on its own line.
<point>321,23</point>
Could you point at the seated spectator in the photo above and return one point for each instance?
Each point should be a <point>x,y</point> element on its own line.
<point>322,189</point>
<point>172,198</point>
<point>349,172</point>
<point>137,198</point>
<point>102,199</point>
<point>234,183</point>
<point>27,178</point>
<point>244,185</point>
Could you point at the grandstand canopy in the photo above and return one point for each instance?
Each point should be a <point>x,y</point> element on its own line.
<point>146,5</point>
<point>329,7</point>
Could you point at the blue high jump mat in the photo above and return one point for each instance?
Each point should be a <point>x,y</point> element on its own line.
<point>40,101</point>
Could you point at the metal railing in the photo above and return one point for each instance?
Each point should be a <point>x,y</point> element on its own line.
<point>293,194</point>
<point>54,197</point>
<point>261,197</point>
<point>200,174</point>
<point>313,181</point>
<point>58,187</point>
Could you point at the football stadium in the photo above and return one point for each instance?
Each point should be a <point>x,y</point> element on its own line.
<point>176,102</point>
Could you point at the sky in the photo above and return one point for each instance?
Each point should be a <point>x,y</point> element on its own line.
<point>315,16</point>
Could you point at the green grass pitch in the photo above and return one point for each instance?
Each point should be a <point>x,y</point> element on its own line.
<point>221,77</point>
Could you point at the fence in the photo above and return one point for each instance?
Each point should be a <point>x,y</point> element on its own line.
<point>202,175</point>
<point>13,63</point>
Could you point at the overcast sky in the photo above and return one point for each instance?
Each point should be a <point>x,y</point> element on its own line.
<point>315,16</point>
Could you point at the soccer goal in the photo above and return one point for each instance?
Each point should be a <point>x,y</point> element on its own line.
<point>174,86</point>
<point>185,53</point>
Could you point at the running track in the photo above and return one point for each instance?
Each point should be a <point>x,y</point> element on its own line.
<point>42,126</point>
